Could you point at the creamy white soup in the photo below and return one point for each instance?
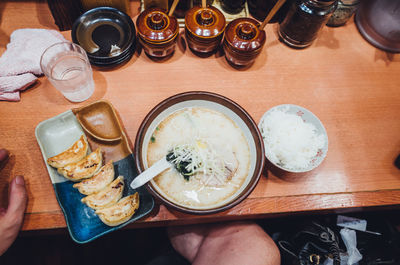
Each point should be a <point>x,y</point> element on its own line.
<point>222,153</point>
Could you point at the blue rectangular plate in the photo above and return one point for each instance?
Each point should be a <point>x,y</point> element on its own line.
<point>56,135</point>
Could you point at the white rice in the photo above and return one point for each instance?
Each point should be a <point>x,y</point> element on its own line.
<point>289,141</point>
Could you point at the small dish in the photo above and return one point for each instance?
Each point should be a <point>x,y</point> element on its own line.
<point>99,121</point>
<point>107,34</point>
<point>103,130</point>
<point>217,103</point>
<point>308,117</point>
<point>58,133</point>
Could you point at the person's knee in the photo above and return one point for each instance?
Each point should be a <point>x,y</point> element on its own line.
<point>186,240</point>
<point>265,245</point>
<point>273,256</point>
<point>238,243</point>
<point>258,243</point>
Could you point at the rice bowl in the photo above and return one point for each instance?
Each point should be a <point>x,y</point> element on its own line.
<point>295,139</point>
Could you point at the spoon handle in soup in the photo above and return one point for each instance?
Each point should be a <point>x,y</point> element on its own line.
<point>150,173</point>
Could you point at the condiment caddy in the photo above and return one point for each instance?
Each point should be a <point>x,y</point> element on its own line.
<point>242,38</point>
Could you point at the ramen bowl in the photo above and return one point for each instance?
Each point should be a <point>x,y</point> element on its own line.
<point>224,113</point>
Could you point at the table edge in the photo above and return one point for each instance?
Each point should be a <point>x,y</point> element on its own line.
<point>248,209</point>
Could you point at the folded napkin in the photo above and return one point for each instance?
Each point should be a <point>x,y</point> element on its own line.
<point>21,61</point>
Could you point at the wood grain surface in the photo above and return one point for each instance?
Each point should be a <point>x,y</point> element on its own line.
<point>351,86</point>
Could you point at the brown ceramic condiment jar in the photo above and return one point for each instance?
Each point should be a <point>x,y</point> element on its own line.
<point>157,32</point>
<point>204,28</point>
<point>243,41</point>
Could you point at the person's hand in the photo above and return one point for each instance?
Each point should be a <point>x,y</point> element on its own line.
<point>12,217</point>
<point>3,157</point>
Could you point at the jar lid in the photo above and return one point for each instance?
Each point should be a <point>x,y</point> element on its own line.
<point>154,25</point>
<point>205,22</point>
<point>243,35</point>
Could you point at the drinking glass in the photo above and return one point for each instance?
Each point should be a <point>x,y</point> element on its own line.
<point>67,67</point>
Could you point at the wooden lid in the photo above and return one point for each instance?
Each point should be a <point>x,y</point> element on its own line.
<point>243,35</point>
<point>155,26</point>
<point>205,22</point>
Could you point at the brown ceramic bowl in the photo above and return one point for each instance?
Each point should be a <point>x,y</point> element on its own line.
<point>243,41</point>
<point>157,32</point>
<point>218,103</point>
<point>204,28</point>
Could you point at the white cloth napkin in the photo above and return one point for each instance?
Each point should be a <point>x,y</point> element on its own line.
<point>21,61</point>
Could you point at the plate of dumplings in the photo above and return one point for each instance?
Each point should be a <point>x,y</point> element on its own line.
<point>90,163</point>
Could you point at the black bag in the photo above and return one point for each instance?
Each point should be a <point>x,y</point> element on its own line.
<point>312,245</point>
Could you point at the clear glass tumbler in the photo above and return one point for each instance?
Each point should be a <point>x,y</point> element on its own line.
<point>67,67</point>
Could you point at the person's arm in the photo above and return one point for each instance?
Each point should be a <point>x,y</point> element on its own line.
<point>11,218</point>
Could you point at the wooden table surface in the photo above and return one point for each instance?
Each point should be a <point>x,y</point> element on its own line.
<point>351,86</point>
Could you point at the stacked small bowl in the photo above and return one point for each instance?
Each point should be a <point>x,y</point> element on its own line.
<point>107,34</point>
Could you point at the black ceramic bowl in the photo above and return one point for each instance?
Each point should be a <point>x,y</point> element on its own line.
<point>107,34</point>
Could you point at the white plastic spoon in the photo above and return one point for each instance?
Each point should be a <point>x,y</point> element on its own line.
<point>150,173</point>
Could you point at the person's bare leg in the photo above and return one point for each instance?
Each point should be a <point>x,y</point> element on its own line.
<point>187,239</point>
<point>236,243</point>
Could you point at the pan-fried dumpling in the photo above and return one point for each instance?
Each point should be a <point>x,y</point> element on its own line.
<point>119,212</point>
<point>107,196</point>
<point>73,154</point>
<point>98,182</point>
<point>83,169</point>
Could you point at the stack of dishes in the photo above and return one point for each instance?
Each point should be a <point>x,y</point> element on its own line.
<point>107,34</point>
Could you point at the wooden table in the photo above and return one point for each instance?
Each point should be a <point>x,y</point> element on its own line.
<point>351,86</point>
